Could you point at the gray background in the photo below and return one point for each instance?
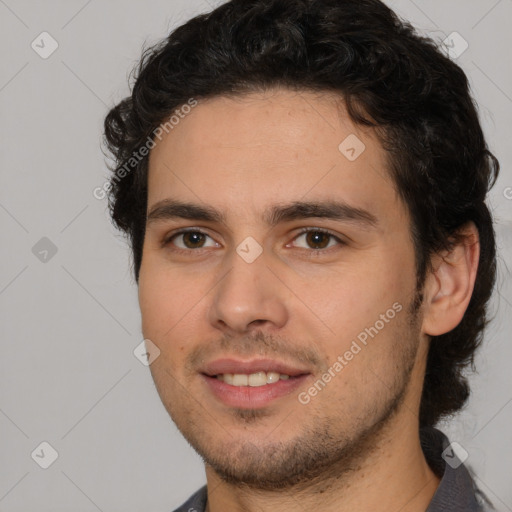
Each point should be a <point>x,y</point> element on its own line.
<point>70,320</point>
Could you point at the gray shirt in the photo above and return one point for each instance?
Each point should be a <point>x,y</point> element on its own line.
<point>456,492</point>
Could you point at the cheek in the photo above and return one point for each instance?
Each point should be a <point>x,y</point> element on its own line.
<point>159,300</point>
<point>351,305</point>
<point>171,309</point>
<point>357,296</point>
<point>152,304</point>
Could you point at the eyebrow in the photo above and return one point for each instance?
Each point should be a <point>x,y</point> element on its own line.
<point>168,209</point>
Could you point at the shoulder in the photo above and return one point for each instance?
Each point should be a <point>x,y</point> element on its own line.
<point>196,502</point>
<point>457,490</point>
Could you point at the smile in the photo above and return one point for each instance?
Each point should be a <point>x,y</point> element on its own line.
<point>253,380</point>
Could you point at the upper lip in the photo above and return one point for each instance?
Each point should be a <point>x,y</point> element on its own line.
<point>227,365</point>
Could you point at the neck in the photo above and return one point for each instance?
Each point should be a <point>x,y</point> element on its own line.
<point>394,476</point>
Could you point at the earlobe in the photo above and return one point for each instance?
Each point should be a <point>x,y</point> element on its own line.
<point>448,288</point>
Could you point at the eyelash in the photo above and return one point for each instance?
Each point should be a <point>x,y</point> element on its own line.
<point>167,241</point>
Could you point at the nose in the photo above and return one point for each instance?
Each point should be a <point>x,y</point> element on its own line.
<point>249,296</point>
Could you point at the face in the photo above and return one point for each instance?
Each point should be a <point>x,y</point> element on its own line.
<point>277,280</point>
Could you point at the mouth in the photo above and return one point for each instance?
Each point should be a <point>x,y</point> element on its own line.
<point>251,384</point>
<point>254,379</point>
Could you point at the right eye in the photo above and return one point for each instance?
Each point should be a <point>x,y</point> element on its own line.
<point>190,239</point>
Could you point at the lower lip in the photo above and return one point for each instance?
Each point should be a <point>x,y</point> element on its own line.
<point>248,397</point>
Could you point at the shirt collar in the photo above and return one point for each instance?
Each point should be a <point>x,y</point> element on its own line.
<point>456,491</point>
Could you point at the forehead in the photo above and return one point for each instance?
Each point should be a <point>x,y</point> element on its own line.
<point>252,151</point>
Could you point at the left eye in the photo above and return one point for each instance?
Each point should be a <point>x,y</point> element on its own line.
<point>191,240</point>
<point>318,239</point>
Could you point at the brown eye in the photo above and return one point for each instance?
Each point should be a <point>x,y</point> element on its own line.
<point>191,240</point>
<point>318,239</point>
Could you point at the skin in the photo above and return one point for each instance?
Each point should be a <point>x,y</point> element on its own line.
<point>355,444</point>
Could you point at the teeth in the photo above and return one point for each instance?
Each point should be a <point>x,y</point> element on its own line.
<point>253,380</point>
<point>240,380</point>
<point>272,377</point>
<point>228,378</point>
<point>257,379</point>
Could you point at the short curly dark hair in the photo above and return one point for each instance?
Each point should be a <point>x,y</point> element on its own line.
<point>391,77</point>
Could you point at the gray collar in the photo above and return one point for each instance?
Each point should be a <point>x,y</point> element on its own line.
<point>456,491</point>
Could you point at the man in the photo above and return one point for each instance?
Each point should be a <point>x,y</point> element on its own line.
<point>303,183</point>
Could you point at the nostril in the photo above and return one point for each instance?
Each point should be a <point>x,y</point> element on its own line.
<point>257,322</point>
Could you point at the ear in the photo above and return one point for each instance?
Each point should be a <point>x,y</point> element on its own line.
<point>448,288</point>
